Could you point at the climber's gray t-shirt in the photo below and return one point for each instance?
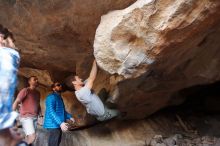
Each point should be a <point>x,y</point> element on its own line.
<point>91,101</point>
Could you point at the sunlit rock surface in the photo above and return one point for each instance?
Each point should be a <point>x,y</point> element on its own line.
<point>156,48</point>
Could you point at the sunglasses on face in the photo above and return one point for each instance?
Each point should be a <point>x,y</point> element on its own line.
<point>58,85</point>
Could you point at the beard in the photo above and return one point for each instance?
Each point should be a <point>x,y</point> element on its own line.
<point>59,90</point>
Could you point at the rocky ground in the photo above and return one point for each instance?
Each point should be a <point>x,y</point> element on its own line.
<point>166,128</point>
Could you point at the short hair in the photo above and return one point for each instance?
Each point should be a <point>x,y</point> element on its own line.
<point>53,85</point>
<point>2,30</point>
<point>68,82</point>
<point>7,34</point>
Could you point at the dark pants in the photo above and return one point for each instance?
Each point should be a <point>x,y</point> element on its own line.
<point>54,137</point>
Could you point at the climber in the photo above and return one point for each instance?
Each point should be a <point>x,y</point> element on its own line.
<point>91,101</point>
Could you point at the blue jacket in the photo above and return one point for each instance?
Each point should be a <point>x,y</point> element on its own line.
<point>55,112</point>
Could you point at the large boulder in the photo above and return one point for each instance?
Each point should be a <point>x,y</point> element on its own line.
<point>154,49</point>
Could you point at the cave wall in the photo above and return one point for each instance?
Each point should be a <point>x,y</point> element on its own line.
<point>56,35</point>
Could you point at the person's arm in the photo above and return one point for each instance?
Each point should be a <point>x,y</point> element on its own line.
<point>68,115</point>
<point>39,107</point>
<point>40,117</point>
<point>92,75</point>
<point>21,95</point>
<point>40,114</point>
<point>15,104</point>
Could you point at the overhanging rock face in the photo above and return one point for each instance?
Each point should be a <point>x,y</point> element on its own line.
<point>156,48</point>
<point>148,51</point>
<point>56,35</point>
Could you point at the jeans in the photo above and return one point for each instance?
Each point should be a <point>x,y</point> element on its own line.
<point>54,136</point>
<point>109,114</point>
